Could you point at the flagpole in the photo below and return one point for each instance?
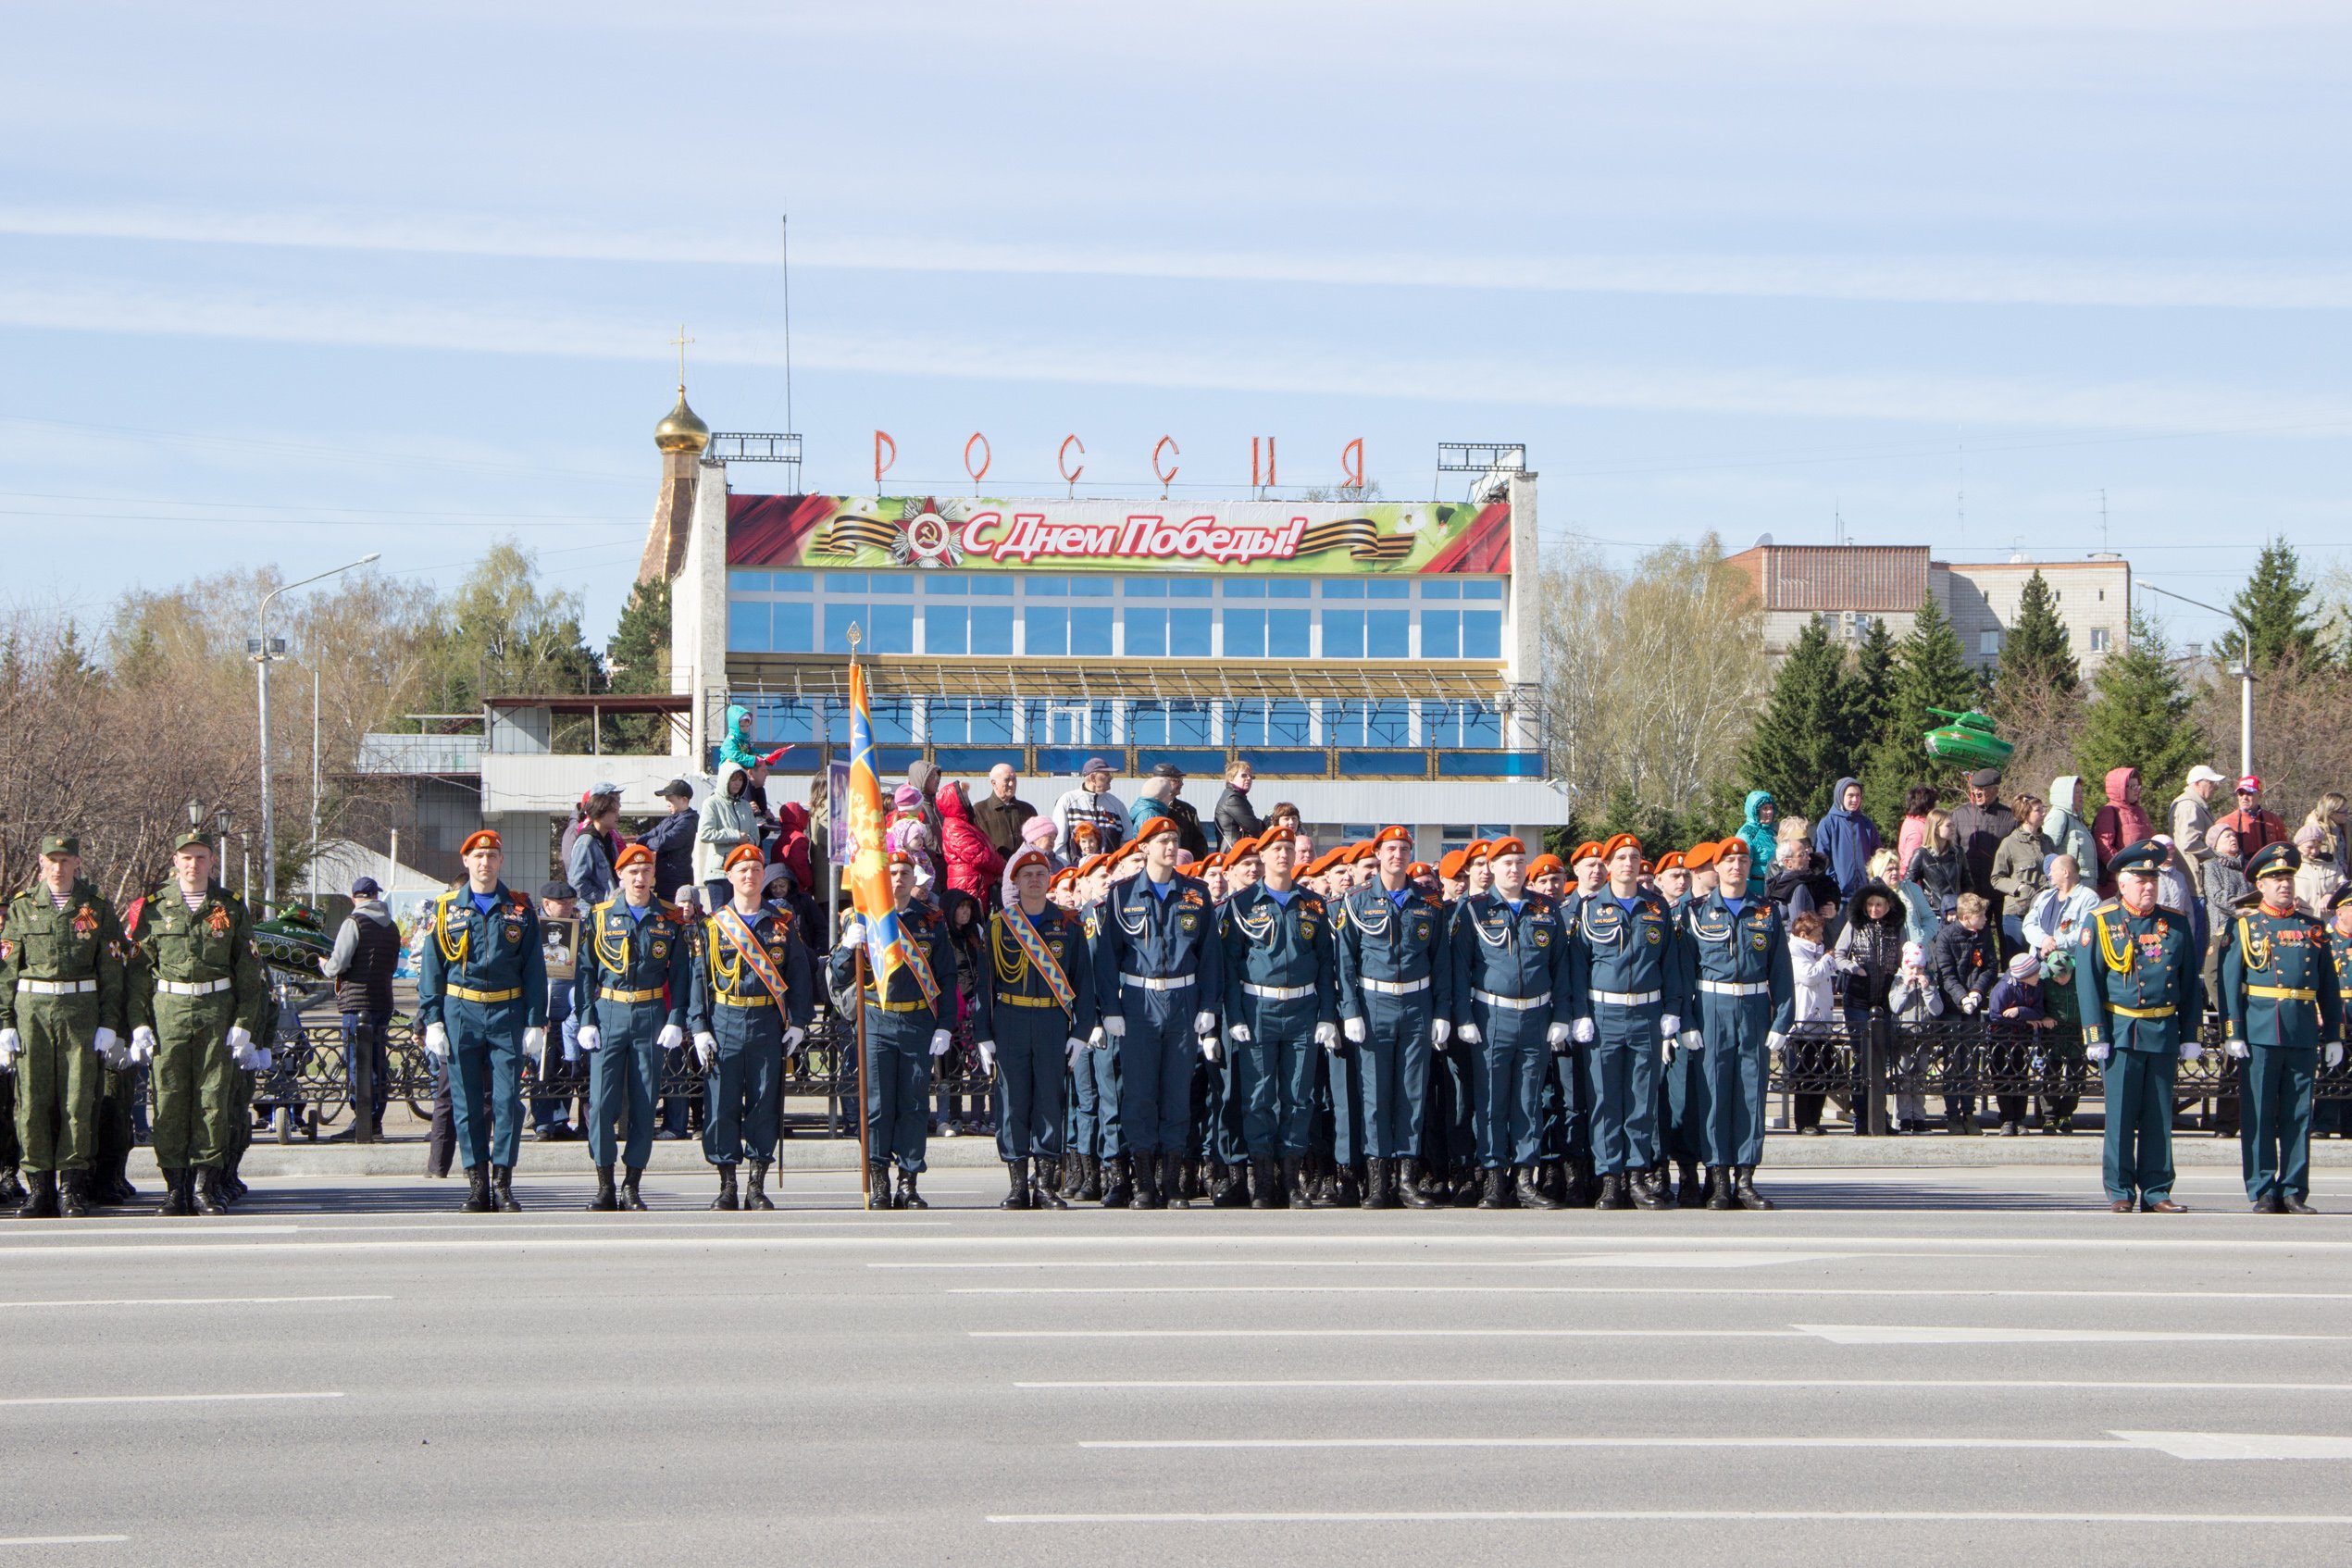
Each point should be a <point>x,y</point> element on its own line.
<point>865,1134</point>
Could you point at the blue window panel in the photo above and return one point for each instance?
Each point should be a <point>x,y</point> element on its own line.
<point>1245,724</point>
<point>1166,724</point>
<point>1439,588</point>
<point>747,626</point>
<point>1387,588</point>
<point>1190,587</point>
<point>1090,631</point>
<point>953,585</point>
<point>1289,634</point>
<point>795,627</point>
<point>977,723</point>
<point>1146,633</point>
<point>893,583</point>
<point>1384,764</point>
<point>991,724</point>
<point>1202,766</point>
<point>1488,588</point>
<point>1046,588</point>
<point>893,631</point>
<point>1482,634</point>
<point>1387,634</point>
<point>1245,588</point>
<point>970,759</point>
<point>1490,764</point>
<point>795,582</point>
<point>1295,765</point>
<point>846,582</point>
<point>839,615</point>
<point>1093,586</point>
<point>1102,715</point>
<point>1343,634</point>
<point>1290,587</point>
<point>1189,633</point>
<point>992,628</point>
<point>777,720</point>
<point>986,587</point>
<point>893,724</point>
<point>1068,759</point>
<point>1289,723</point>
<point>747,582</point>
<point>1146,587</point>
<point>1245,634</point>
<point>946,628</point>
<point>1343,724</point>
<point>1342,587</point>
<point>1441,634</point>
<point>1049,629</point>
<point>889,760</point>
<point>1391,723</point>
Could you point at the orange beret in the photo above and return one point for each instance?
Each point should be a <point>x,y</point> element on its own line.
<point>1419,869</point>
<point>1543,863</point>
<point>1476,849</point>
<point>632,854</point>
<point>742,852</point>
<point>1734,845</point>
<point>1701,856</point>
<point>1588,849</point>
<point>1067,873</point>
<point>1503,847</point>
<point>1619,841</point>
<point>1245,848</point>
<point>1449,866</point>
<point>1359,853</point>
<point>1216,859</point>
<point>1402,835</point>
<point>1671,861</point>
<point>483,839</point>
<point>1152,828</point>
<point>1270,838</point>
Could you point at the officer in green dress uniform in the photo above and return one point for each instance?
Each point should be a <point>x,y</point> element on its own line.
<point>633,971</point>
<point>2136,976</point>
<point>196,998</point>
<point>2280,1005</point>
<point>61,1007</point>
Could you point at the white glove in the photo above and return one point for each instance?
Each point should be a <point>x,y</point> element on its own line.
<point>437,1042</point>
<point>793,1036</point>
<point>1775,1042</point>
<point>1116,1025</point>
<point>2236,1048</point>
<point>1096,1039</point>
<point>853,934</point>
<point>1469,1034</point>
<point>241,1055</point>
<point>2191,1049</point>
<point>1204,1022</point>
<point>671,1037</point>
<point>1971,1002</point>
<point>1441,1031</point>
<point>263,1060</point>
<point>590,1037</point>
<point>1327,1037</point>
<point>706,1049</point>
<point>535,1047</point>
<point>142,1044</point>
<point>1209,1048</point>
<point>103,1042</point>
<point>237,1036</point>
<point>1353,1030</point>
<point>11,1047</point>
<point>1073,1046</point>
<point>1239,1033</point>
<point>1556,1036</point>
<point>2098,1053</point>
<point>1583,1033</point>
<point>940,1041</point>
<point>2335,1053</point>
<point>988,1054</point>
<point>1667,1048</point>
<point>1693,1040</point>
<point>1670,1023</point>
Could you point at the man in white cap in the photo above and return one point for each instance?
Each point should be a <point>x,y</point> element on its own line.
<point>2192,818</point>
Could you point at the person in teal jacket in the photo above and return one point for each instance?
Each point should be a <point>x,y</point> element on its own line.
<point>736,746</point>
<point>1759,831</point>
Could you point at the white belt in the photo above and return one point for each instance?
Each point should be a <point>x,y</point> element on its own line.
<point>1396,987</point>
<point>1516,1004</point>
<point>193,988</point>
<point>57,988</point>
<point>1734,988</point>
<point>1278,993</point>
<point>1174,983</point>
<point>1627,999</point>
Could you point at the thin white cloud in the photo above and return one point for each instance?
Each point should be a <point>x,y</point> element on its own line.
<point>2216,283</point>
<point>1304,369</point>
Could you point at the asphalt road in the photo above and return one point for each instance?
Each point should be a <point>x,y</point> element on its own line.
<point>1941,1365</point>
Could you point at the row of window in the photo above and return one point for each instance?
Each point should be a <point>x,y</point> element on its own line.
<point>787,625</point>
<point>939,721</point>
<point>1026,586</point>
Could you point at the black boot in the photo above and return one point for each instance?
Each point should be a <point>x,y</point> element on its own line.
<point>1584,1187</point>
<point>12,1191</point>
<point>1117,1192</point>
<point>1089,1178</point>
<point>1294,1182</point>
<point>1409,1188</point>
<point>1047,1193</point>
<point>1347,1187</point>
<point>1266,1185</point>
<point>1720,1192</point>
<point>1194,1186</point>
<point>607,1200</point>
<point>631,1199</point>
<point>727,1199</point>
<point>208,1195</point>
<point>502,1188</point>
<point>1380,1184</point>
<point>232,1185</point>
<point>755,1195</point>
<point>1144,1170</point>
<point>176,1204</point>
<point>112,1183</point>
<point>1613,1193</point>
<point>878,1184</point>
<point>40,1196</point>
<point>1531,1193</point>
<point>1017,1177</point>
<point>1235,1192</point>
<point>73,1195</point>
<point>1496,1193</point>
<point>1649,1191</point>
<point>1749,1197</point>
<point>477,1190</point>
<point>1468,1183</point>
<point>1692,1194</point>
<point>1314,1183</point>
<point>908,1198</point>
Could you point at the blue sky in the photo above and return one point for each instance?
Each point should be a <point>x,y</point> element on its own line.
<point>298,283</point>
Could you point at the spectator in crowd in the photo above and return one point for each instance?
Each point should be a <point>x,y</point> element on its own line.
<point>1038,834</point>
<point>367,952</point>
<point>1978,826</point>
<point>1918,801</point>
<point>2067,832</point>
<point>2016,869</point>
<point>1190,840</point>
<point>972,864</point>
<point>1285,814</point>
<point>923,775</point>
<point>726,820</point>
<point>956,1114</point>
<point>1091,801</point>
<point>1004,813</point>
<point>2062,1044</point>
<point>736,747</point>
<point>2018,1016</point>
<point>551,1121</point>
<point>2317,880</point>
<point>820,821</point>
<point>1812,969</point>
<point>2060,912</point>
<point>587,859</point>
<point>1868,952</point>
<point>1762,842</point>
<point>1796,884</point>
<point>2258,829</point>
<point>1920,918</point>
<point>2122,821</point>
<point>2176,889</point>
<point>2192,818</point>
<point>1936,865</point>
<point>1846,838</point>
<point>2225,884</point>
<point>2327,814</point>
<point>1235,821</point>
<point>1962,961</point>
<point>1912,1002</point>
<point>1152,797</point>
<point>792,849</point>
<point>672,837</point>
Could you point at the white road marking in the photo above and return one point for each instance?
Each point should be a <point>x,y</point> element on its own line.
<point>2241,1445</point>
<point>166,1398</point>
<point>1696,1516</point>
<point>193,1302</point>
<point>61,1540</point>
<point>1386,1334</point>
<point>1995,1385</point>
<point>1890,1334</point>
<point>2106,1445</point>
<point>1675,1290</point>
<point>765,1237</point>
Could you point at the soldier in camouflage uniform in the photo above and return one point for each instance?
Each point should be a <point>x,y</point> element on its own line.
<point>61,997</point>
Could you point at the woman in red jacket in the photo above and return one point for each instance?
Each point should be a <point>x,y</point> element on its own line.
<point>972,864</point>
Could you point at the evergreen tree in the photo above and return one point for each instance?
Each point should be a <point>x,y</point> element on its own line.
<point>2276,603</point>
<point>1930,671</point>
<point>2035,655</point>
<point>1869,694</point>
<point>638,659</point>
<point>1798,745</point>
<point>2139,717</point>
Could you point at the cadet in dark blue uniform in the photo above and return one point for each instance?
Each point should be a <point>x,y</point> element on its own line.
<point>1738,948</point>
<point>1158,978</point>
<point>1095,1137</point>
<point>481,1000</point>
<point>1224,1138</point>
<point>1684,1100</point>
<point>1511,984</point>
<point>1281,1014</point>
<point>906,1029</point>
<point>2280,1005</point>
<point>2136,974</point>
<point>752,999</point>
<point>1630,979</point>
<point>633,975</point>
<point>1036,995</point>
<point>1396,1007</point>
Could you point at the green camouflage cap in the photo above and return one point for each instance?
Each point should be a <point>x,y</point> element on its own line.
<point>192,840</point>
<point>61,843</point>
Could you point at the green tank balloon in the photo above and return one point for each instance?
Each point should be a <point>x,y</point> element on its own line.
<point>1967,740</point>
<point>295,942</point>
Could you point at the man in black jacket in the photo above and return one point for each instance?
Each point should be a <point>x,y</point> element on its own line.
<point>1964,966</point>
<point>367,950</point>
<point>1978,828</point>
<point>672,840</point>
<point>1236,820</point>
<point>1190,838</point>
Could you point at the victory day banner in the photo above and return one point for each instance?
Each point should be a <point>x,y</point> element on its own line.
<point>846,533</point>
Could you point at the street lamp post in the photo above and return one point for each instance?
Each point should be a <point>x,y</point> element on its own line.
<point>2243,668</point>
<point>263,649</point>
